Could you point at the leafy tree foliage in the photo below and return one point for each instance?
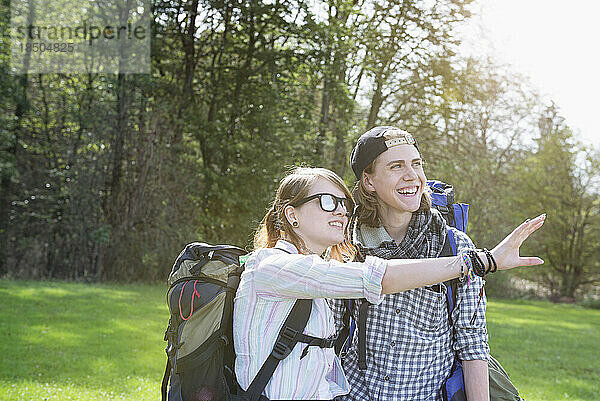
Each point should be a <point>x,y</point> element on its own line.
<point>560,177</point>
<point>106,177</point>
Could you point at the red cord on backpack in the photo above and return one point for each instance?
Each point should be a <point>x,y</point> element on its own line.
<point>191,300</point>
<point>478,302</point>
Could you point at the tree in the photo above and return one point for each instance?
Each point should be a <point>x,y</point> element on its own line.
<point>402,41</point>
<point>107,176</point>
<point>483,119</point>
<point>8,140</point>
<point>561,178</point>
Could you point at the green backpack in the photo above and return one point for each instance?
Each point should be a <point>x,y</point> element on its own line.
<point>200,352</point>
<point>501,388</point>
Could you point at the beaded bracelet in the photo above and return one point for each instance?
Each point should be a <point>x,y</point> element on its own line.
<point>491,262</point>
<point>478,266</point>
<point>466,267</point>
<point>475,265</point>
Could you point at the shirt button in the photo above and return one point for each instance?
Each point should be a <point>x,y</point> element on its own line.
<point>392,344</point>
<point>387,378</point>
<point>397,311</point>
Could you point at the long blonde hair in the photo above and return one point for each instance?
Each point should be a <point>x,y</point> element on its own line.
<point>293,187</point>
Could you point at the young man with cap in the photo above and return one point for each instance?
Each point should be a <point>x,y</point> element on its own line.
<point>410,345</point>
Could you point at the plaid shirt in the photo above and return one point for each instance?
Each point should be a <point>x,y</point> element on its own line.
<point>410,343</point>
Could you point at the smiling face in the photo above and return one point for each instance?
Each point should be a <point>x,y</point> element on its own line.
<point>398,180</point>
<point>317,228</point>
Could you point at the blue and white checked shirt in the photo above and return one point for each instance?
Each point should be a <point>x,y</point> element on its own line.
<point>410,343</point>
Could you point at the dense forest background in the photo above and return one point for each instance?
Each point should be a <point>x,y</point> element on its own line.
<point>108,176</point>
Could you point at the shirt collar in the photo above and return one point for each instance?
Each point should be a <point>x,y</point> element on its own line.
<point>371,237</point>
<point>286,246</point>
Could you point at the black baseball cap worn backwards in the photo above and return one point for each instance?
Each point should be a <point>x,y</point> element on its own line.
<point>373,143</point>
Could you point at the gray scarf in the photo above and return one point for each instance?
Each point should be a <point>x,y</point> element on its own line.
<point>424,239</point>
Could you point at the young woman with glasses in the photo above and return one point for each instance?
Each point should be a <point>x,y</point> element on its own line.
<point>307,220</point>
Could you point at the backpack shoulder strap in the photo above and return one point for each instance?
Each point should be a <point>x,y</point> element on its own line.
<point>288,337</point>
<point>449,249</point>
<point>286,341</point>
<point>345,336</point>
<point>342,342</point>
<point>362,334</point>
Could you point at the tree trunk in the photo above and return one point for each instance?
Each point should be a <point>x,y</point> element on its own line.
<point>6,184</point>
<point>187,88</point>
<point>376,102</point>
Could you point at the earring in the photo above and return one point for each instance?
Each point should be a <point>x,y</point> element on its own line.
<point>295,224</point>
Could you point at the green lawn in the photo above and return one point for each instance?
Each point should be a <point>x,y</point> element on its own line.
<point>551,351</point>
<point>67,341</point>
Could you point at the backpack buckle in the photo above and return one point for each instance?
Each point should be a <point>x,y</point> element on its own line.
<point>281,350</point>
<point>329,342</point>
<point>443,209</point>
<point>289,333</point>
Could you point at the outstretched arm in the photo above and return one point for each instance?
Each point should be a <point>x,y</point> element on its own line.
<point>405,274</point>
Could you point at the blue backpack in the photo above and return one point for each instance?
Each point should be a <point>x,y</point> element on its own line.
<point>456,215</point>
<point>453,389</point>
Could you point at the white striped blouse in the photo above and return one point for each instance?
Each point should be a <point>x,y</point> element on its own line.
<point>272,281</point>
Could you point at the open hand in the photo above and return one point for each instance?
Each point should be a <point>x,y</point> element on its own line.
<point>506,253</point>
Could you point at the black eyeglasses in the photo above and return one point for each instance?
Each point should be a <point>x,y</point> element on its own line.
<point>328,202</point>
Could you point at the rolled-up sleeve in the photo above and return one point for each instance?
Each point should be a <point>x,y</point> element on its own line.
<point>471,338</point>
<point>309,276</point>
<point>471,335</point>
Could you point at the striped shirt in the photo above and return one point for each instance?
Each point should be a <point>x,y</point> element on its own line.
<point>269,286</point>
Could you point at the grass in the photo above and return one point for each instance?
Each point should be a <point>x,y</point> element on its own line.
<point>68,341</point>
<point>550,351</point>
